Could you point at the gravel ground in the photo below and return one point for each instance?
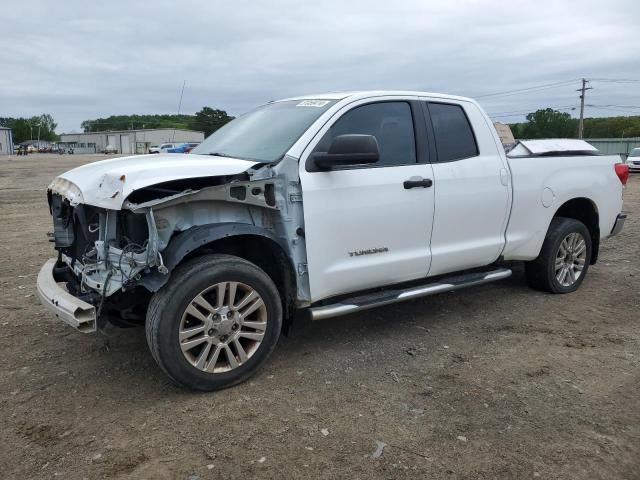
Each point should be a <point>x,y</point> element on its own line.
<point>497,381</point>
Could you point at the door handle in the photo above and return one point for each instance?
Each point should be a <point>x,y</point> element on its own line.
<point>414,182</point>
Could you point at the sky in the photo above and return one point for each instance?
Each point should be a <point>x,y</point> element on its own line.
<point>78,61</point>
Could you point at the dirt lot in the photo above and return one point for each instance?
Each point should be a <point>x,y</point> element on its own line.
<point>493,382</point>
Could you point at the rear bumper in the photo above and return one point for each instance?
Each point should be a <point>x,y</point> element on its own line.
<point>617,226</point>
<point>71,310</point>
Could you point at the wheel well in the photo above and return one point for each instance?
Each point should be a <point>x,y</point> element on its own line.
<point>585,211</point>
<point>266,254</point>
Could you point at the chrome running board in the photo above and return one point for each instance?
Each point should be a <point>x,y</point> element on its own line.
<point>386,297</point>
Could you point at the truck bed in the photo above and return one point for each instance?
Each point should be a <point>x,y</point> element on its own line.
<point>551,178</point>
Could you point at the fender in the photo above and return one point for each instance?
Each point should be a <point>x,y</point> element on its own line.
<point>189,240</point>
<point>585,210</point>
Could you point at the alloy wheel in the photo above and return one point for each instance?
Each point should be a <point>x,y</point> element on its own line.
<point>570,259</point>
<point>222,327</point>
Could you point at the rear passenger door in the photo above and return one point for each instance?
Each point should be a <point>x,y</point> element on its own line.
<point>472,191</point>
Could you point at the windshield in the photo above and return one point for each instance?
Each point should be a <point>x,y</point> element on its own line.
<point>265,134</point>
<point>635,152</point>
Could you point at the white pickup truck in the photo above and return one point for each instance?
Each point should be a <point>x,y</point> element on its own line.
<point>326,204</point>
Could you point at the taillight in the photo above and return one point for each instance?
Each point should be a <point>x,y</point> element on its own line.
<point>622,170</point>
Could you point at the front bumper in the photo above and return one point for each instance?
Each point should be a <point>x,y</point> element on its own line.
<point>617,227</point>
<point>71,310</point>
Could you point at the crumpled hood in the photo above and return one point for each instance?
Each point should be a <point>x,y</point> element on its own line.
<point>108,183</point>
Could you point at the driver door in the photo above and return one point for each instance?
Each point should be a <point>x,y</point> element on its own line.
<point>364,227</point>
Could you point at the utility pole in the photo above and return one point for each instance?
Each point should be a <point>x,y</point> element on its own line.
<point>582,92</point>
<point>184,82</point>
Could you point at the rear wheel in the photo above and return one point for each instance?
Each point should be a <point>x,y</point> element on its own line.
<point>214,323</point>
<point>564,259</point>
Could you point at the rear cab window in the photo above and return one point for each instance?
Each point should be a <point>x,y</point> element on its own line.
<point>454,137</point>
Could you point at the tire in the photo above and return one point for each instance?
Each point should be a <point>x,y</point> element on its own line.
<point>177,309</point>
<point>545,272</point>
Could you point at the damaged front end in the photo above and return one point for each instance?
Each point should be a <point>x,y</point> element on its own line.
<point>102,254</point>
<point>112,260</point>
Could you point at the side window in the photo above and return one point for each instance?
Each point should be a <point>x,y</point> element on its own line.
<point>390,122</point>
<point>453,133</point>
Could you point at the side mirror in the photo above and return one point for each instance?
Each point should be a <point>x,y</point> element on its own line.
<point>348,150</point>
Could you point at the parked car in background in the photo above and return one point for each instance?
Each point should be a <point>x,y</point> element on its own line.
<point>183,148</point>
<point>162,148</point>
<point>634,160</point>
<point>110,149</point>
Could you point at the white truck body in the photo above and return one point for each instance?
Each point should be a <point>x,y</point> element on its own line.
<point>479,208</point>
<point>439,198</point>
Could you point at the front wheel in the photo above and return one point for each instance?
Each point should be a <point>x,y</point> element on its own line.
<point>214,323</point>
<point>564,259</point>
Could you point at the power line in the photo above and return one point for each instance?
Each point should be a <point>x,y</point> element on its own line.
<point>616,80</point>
<point>562,107</point>
<point>528,89</point>
<point>525,112</point>
<point>616,109</point>
<point>517,113</point>
<point>508,114</point>
<point>536,88</point>
<point>583,89</point>
<point>513,113</point>
<point>631,107</point>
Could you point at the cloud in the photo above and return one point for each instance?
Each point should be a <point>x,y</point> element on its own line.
<point>77,60</point>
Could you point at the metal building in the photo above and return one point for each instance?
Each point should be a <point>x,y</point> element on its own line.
<point>615,146</point>
<point>6,141</point>
<point>128,141</point>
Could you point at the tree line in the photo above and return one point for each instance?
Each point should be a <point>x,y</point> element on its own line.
<point>550,123</point>
<point>207,120</point>
<point>23,129</point>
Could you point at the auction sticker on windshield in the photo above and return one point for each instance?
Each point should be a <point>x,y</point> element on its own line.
<point>312,103</point>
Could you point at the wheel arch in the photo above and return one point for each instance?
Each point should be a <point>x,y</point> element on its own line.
<point>586,211</point>
<point>254,244</point>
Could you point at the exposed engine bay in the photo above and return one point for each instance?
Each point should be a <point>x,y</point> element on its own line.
<point>115,259</point>
<point>102,251</point>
